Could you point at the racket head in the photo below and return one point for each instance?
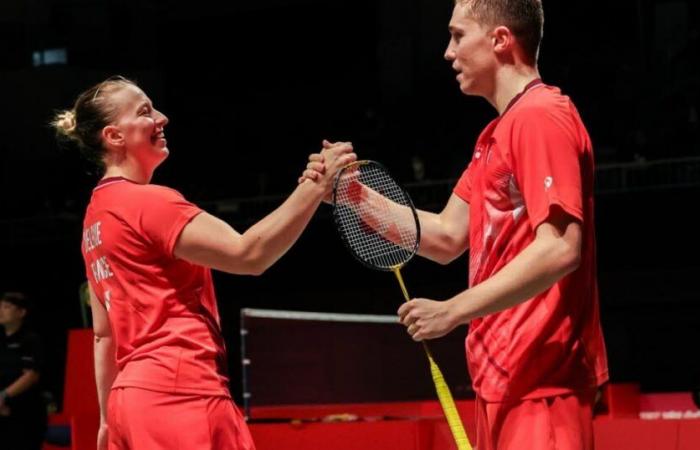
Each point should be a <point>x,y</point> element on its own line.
<point>375,216</point>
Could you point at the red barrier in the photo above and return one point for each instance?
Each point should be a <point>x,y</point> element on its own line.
<point>394,426</point>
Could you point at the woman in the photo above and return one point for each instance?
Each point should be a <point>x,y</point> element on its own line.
<point>159,353</point>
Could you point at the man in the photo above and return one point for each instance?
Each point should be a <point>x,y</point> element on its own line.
<point>535,348</point>
<point>524,209</point>
<point>22,410</point>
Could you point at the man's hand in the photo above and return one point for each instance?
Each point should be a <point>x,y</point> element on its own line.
<point>427,319</point>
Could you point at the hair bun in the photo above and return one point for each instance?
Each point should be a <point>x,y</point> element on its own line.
<point>65,123</point>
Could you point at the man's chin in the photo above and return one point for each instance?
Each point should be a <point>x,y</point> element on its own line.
<point>468,88</point>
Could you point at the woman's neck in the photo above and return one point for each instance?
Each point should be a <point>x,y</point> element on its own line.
<point>129,169</point>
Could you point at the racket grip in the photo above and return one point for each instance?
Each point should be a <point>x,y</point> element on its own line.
<point>448,407</point>
<point>443,391</point>
<point>397,272</point>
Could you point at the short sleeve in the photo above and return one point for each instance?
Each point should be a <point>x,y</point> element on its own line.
<point>546,158</point>
<point>163,215</point>
<point>463,188</point>
<point>32,354</point>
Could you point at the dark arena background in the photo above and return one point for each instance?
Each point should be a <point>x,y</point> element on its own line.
<point>251,89</point>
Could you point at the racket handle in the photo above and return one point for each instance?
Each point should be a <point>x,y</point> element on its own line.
<point>443,391</point>
<point>397,272</point>
<point>448,405</point>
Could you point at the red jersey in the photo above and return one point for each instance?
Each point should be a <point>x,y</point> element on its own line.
<point>162,310</point>
<point>535,156</point>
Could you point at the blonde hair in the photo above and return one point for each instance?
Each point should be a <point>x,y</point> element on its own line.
<point>82,125</point>
<point>524,18</point>
<point>64,123</point>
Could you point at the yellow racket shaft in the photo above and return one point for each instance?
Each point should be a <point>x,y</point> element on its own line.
<point>443,391</point>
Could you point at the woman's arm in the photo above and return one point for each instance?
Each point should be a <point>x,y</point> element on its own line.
<point>105,357</point>
<point>211,242</point>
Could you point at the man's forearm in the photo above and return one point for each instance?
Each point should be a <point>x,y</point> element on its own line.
<point>534,270</point>
<point>28,379</point>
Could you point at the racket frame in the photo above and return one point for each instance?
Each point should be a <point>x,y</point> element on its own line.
<point>339,224</point>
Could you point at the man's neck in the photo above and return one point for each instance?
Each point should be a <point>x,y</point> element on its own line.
<point>511,81</point>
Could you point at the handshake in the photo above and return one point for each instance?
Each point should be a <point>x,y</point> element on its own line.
<point>324,165</point>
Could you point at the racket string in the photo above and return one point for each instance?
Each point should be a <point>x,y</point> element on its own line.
<point>382,232</point>
<point>379,225</point>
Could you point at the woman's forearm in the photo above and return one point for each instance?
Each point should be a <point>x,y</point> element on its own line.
<point>105,371</point>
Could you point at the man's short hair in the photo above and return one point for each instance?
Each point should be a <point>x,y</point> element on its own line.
<point>524,18</point>
<point>16,298</point>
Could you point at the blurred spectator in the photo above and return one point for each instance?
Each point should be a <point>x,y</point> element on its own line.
<point>23,416</point>
<point>418,168</point>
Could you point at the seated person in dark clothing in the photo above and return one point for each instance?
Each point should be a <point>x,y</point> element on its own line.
<point>22,411</point>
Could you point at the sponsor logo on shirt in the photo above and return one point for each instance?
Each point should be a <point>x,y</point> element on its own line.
<point>548,183</point>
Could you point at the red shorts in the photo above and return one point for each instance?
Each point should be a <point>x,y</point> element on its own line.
<point>142,419</point>
<point>552,423</point>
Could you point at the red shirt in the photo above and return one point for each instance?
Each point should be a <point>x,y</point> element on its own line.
<point>162,310</point>
<point>535,156</point>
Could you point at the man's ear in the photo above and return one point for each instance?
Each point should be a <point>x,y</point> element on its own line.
<point>112,136</point>
<point>503,39</point>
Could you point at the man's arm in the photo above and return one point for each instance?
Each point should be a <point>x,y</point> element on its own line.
<point>28,379</point>
<point>32,359</point>
<point>554,253</point>
<point>445,236</point>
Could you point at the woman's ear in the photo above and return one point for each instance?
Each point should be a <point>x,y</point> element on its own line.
<point>112,136</point>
